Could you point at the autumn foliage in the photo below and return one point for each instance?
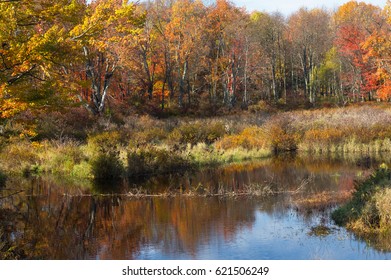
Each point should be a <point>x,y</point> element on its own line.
<point>169,57</point>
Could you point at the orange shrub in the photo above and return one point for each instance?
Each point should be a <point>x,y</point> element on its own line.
<point>250,138</point>
<point>324,135</point>
<point>282,136</point>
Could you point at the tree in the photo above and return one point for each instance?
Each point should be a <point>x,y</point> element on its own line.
<point>268,34</point>
<point>309,33</point>
<point>107,25</point>
<point>34,52</point>
<point>355,24</point>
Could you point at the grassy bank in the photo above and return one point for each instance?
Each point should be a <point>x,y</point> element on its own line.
<point>369,210</point>
<point>139,146</point>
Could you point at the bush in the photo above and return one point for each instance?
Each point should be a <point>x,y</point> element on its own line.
<point>151,160</point>
<point>282,136</point>
<point>105,142</point>
<point>20,157</point>
<point>252,137</point>
<point>261,106</point>
<point>106,166</point>
<point>152,135</point>
<point>104,151</point>
<point>61,157</point>
<point>72,123</point>
<point>321,139</point>
<point>197,132</point>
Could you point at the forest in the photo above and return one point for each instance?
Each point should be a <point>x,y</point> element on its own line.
<point>184,57</point>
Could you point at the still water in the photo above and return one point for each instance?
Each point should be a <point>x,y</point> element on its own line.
<point>196,215</point>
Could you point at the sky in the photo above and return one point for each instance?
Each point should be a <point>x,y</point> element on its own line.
<point>288,7</point>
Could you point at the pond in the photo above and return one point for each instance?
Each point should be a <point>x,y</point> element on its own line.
<point>206,214</point>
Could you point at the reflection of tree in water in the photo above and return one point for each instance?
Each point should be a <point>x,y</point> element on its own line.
<point>52,226</point>
<point>46,224</point>
<point>173,224</point>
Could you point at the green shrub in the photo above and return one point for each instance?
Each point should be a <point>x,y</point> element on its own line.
<point>61,157</point>
<point>106,166</point>
<point>82,170</point>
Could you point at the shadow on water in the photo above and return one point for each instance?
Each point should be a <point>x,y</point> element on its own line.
<point>54,220</point>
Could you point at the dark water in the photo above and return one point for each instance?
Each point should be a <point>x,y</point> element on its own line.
<point>62,220</point>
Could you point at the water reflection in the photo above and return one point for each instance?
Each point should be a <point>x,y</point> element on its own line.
<point>50,220</point>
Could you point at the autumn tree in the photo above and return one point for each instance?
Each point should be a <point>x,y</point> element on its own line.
<point>355,23</point>
<point>106,26</point>
<point>309,33</point>
<point>268,35</point>
<point>35,52</point>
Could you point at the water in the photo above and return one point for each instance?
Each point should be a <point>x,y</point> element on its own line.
<point>62,220</point>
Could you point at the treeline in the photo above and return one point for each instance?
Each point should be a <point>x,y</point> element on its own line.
<point>184,55</point>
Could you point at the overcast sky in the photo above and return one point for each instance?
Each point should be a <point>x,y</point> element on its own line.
<point>289,6</point>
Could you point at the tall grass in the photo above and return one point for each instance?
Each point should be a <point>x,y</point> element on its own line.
<point>369,211</point>
<point>144,145</point>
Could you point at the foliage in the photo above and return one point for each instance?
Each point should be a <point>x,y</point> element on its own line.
<point>115,57</point>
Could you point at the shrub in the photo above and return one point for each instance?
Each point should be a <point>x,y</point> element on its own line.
<point>252,137</point>
<point>106,166</point>
<point>104,142</point>
<point>152,135</point>
<point>321,139</point>
<point>197,132</point>
<point>281,135</point>
<point>19,157</point>
<point>72,123</point>
<point>60,157</point>
<point>261,106</point>
<point>151,160</point>
<point>104,151</point>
